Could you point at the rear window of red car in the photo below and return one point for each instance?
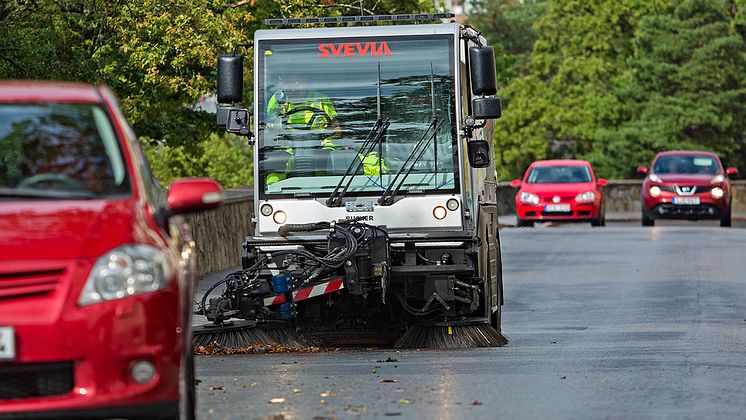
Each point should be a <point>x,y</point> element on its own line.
<point>70,150</point>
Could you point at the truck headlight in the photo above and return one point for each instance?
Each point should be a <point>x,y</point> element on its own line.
<point>717,192</point>
<point>527,197</point>
<point>585,197</point>
<point>126,271</point>
<point>655,191</point>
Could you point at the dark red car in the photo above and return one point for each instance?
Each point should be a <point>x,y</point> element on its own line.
<point>96,274</point>
<point>686,185</point>
<point>560,190</point>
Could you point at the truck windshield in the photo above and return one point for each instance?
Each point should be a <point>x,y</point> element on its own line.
<point>55,150</point>
<point>318,100</point>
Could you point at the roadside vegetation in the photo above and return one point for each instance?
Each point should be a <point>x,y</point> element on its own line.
<point>611,81</point>
<point>615,81</point>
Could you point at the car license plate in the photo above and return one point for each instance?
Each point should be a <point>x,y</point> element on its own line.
<point>7,343</point>
<point>557,208</point>
<point>687,201</point>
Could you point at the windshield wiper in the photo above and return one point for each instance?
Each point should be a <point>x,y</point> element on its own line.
<point>44,194</point>
<point>371,140</point>
<point>388,196</point>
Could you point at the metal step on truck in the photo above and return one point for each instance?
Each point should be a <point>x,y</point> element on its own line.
<point>374,180</point>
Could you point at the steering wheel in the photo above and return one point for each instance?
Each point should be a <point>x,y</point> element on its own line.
<point>63,179</point>
<point>317,112</point>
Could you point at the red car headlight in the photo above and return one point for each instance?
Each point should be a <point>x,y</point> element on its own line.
<point>528,198</point>
<point>125,271</point>
<point>655,191</point>
<point>585,197</point>
<point>717,193</point>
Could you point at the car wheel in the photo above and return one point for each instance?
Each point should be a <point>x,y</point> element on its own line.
<point>726,220</point>
<point>601,219</point>
<point>524,223</point>
<point>647,221</point>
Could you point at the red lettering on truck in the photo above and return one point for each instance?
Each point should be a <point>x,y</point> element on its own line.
<point>353,49</point>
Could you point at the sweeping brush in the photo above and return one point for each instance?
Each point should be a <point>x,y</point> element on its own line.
<point>239,334</point>
<point>443,335</point>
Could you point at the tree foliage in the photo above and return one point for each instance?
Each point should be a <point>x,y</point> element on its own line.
<point>615,81</point>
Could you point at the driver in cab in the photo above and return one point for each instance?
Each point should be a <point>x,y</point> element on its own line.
<point>297,108</point>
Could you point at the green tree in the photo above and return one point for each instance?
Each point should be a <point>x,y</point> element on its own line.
<point>687,87</point>
<point>569,91</point>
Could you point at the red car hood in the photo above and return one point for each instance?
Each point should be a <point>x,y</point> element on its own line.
<point>558,189</point>
<point>683,179</point>
<point>48,231</point>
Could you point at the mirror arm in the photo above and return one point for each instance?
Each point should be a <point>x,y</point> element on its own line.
<point>245,45</point>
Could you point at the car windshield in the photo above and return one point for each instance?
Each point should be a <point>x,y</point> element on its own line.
<point>59,150</point>
<point>318,102</point>
<point>559,175</point>
<point>686,164</point>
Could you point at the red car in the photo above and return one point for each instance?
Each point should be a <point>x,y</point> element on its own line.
<point>96,277</point>
<point>560,190</point>
<point>686,185</point>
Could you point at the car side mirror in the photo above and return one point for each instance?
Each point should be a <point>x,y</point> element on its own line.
<point>602,182</point>
<point>230,78</point>
<point>642,170</point>
<point>516,183</point>
<point>731,171</point>
<point>190,195</point>
<point>479,153</point>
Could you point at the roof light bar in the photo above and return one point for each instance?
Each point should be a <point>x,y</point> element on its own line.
<point>357,19</point>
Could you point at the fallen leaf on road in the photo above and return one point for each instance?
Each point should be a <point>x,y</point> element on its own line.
<point>356,409</point>
<point>216,388</point>
<point>389,381</point>
<point>322,402</point>
<point>563,377</point>
<point>278,400</point>
<point>404,401</point>
<point>476,402</point>
<point>297,390</point>
<point>327,394</point>
<point>391,414</point>
<point>387,360</point>
<point>216,349</point>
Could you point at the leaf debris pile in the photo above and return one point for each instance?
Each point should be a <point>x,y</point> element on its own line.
<point>216,349</point>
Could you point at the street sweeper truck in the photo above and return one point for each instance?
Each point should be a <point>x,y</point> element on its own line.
<point>375,190</point>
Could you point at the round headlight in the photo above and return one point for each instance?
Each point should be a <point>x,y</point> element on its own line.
<point>440,212</point>
<point>655,191</point>
<point>111,284</point>
<point>717,192</point>
<point>452,204</point>
<point>280,217</point>
<point>266,210</point>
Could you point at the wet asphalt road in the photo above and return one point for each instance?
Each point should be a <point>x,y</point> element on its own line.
<point>615,322</point>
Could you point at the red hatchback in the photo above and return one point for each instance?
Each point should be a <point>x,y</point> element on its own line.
<point>96,279</point>
<point>686,185</point>
<point>560,190</point>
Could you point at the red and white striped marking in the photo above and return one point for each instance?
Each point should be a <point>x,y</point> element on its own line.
<point>308,292</point>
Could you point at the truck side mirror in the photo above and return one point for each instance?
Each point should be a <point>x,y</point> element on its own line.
<point>479,153</point>
<point>486,108</point>
<point>230,78</point>
<point>483,75</point>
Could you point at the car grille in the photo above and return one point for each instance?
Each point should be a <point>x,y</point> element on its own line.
<point>29,283</point>
<point>692,189</point>
<point>35,380</point>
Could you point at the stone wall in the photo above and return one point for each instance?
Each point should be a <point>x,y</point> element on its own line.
<point>219,233</point>
<point>621,196</point>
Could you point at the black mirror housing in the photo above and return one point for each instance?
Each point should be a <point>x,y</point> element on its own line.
<point>236,120</point>
<point>479,153</point>
<point>486,108</point>
<point>230,78</point>
<point>483,74</point>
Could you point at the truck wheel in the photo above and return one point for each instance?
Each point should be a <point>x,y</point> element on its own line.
<point>496,317</point>
<point>647,221</point>
<point>726,220</point>
<point>523,222</point>
<point>188,399</point>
